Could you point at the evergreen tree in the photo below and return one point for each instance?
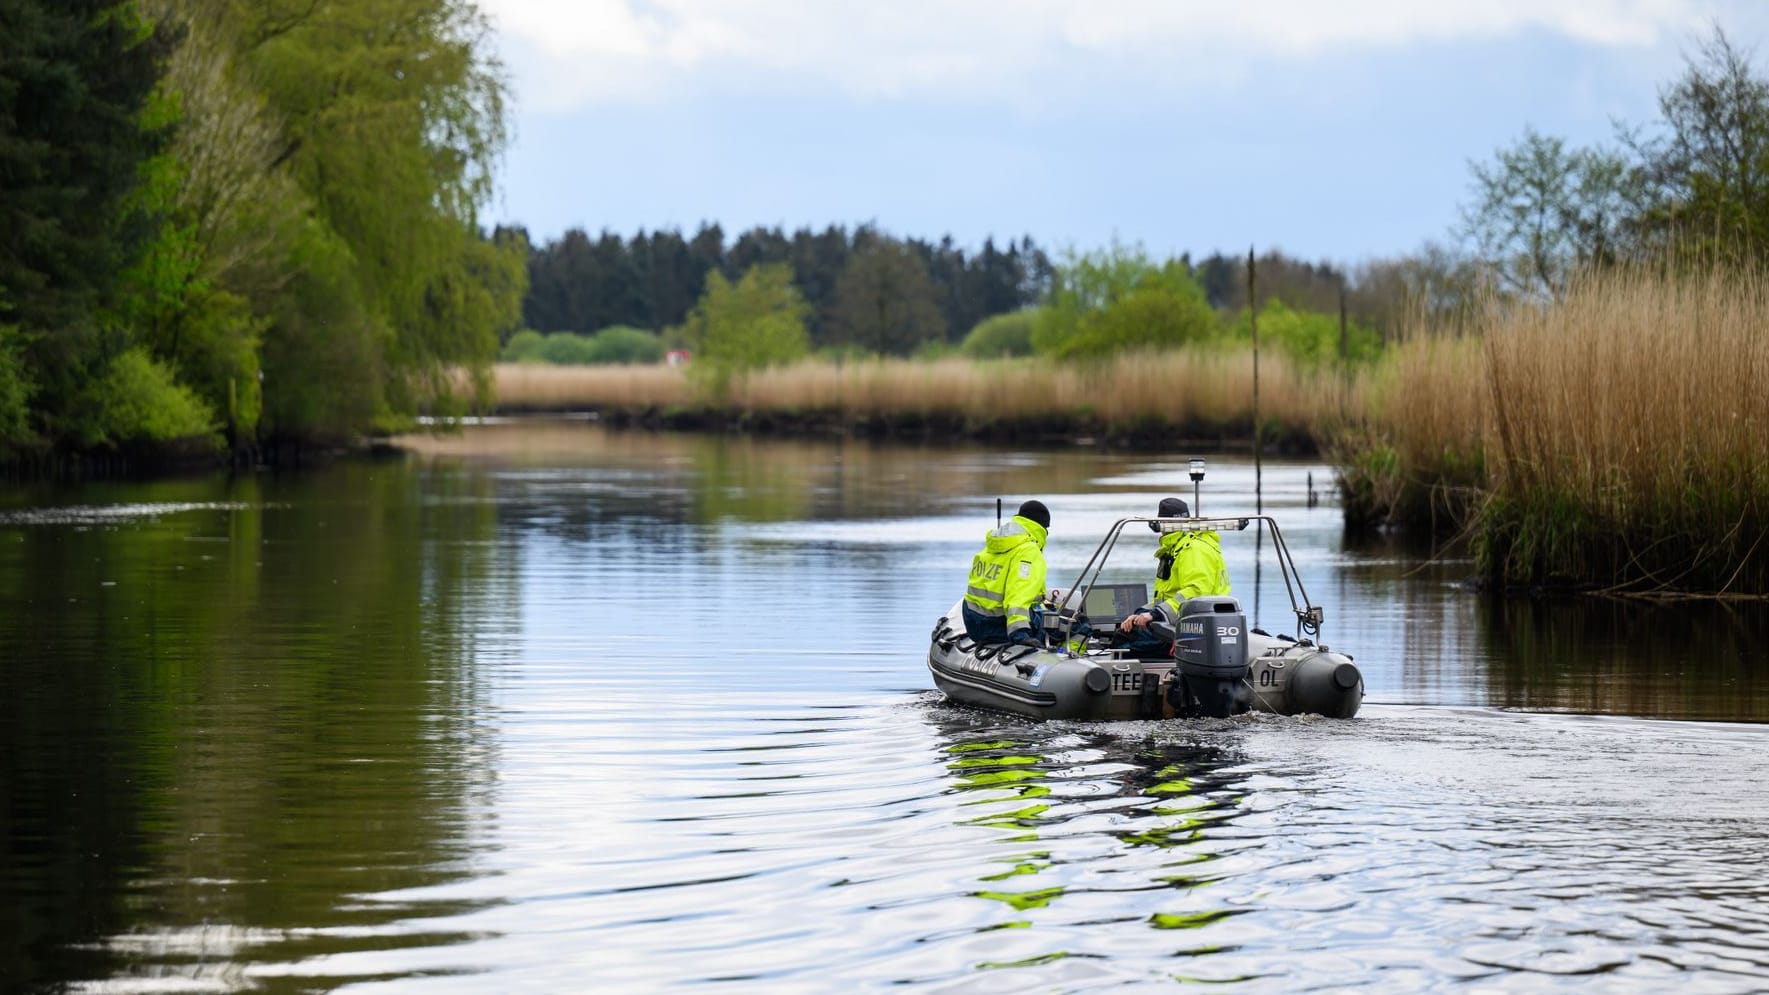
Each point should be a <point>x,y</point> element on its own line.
<point>76,77</point>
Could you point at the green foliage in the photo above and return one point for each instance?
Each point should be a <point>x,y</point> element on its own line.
<point>1542,209</point>
<point>1002,335</point>
<point>1707,172</point>
<point>884,301</point>
<point>15,390</point>
<point>757,321</point>
<point>322,375</point>
<point>583,281</point>
<point>1691,186</point>
<point>137,400</point>
<point>566,349</point>
<point>617,345</point>
<point>1309,338</point>
<point>392,114</point>
<point>524,347</point>
<point>1110,301</point>
<point>627,346</point>
<point>76,77</point>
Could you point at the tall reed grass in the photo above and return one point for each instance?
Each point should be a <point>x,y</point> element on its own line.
<point>1618,437</point>
<point>1630,434</point>
<point>1197,392</point>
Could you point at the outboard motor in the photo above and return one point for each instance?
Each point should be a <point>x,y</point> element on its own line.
<point>1210,643</point>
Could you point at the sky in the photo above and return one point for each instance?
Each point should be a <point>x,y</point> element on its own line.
<point>1333,131</point>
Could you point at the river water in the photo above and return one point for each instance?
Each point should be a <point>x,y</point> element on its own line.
<point>549,708</point>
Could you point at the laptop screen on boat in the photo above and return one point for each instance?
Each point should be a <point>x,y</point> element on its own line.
<point>1112,603</point>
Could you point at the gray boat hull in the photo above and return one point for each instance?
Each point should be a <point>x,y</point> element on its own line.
<point>1283,675</point>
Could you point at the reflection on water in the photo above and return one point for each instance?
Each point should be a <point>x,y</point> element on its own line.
<point>550,708</point>
<point>1100,832</point>
<point>1628,657</point>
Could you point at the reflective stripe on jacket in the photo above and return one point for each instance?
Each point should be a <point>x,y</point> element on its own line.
<point>1007,577</point>
<point>1196,568</point>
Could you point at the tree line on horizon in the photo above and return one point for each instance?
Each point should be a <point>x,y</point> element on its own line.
<point>864,291</point>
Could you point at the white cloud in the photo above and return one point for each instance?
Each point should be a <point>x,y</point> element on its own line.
<point>569,53</point>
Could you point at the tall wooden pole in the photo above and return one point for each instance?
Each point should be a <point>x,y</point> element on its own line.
<point>1258,488</point>
<point>1253,320</point>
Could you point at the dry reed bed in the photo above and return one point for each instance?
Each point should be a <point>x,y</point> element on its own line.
<point>1635,396</point>
<point>1177,388</point>
<point>1619,437</point>
<point>1630,434</point>
<point>538,387</point>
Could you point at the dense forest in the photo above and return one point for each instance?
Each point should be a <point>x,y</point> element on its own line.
<point>653,280</point>
<point>244,221</point>
<point>865,291</point>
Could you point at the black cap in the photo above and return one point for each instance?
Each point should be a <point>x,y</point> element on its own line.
<point>1170,508</point>
<point>1037,512</point>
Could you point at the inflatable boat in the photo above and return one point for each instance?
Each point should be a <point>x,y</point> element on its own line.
<point>1218,666</point>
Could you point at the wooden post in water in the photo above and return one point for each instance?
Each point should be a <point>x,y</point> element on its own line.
<point>1253,321</point>
<point>1258,490</point>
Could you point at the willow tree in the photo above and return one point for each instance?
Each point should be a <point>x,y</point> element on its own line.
<point>391,117</point>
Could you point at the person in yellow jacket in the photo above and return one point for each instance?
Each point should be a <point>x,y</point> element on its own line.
<point>1002,602</point>
<point>1188,564</point>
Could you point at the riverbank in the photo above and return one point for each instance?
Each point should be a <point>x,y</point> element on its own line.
<point>1616,440</point>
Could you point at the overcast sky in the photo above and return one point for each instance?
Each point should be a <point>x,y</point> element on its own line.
<point>1334,130</point>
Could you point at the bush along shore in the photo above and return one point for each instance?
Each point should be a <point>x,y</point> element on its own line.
<point>1614,440</point>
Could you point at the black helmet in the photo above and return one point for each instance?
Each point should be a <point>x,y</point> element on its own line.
<point>1037,512</point>
<point>1170,508</point>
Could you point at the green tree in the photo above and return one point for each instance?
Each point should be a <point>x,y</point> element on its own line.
<point>76,77</point>
<point>757,321</point>
<point>884,301</point>
<point>524,347</point>
<point>626,346</point>
<point>1541,209</point>
<point>1309,337</point>
<point>1106,302</point>
<point>1707,167</point>
<point>1002,335</point>
<point>15,391</point>
<point>393,116</point>
<point>568,349</point>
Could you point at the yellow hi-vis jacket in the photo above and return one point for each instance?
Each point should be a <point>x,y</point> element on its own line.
<point>1193,567</point>
<point>1007,577</point>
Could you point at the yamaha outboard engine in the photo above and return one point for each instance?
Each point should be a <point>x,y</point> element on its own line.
<point>1210,643</point>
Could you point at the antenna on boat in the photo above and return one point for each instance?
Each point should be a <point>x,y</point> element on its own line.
<point>1196,464</point>
<point>998,513</point>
